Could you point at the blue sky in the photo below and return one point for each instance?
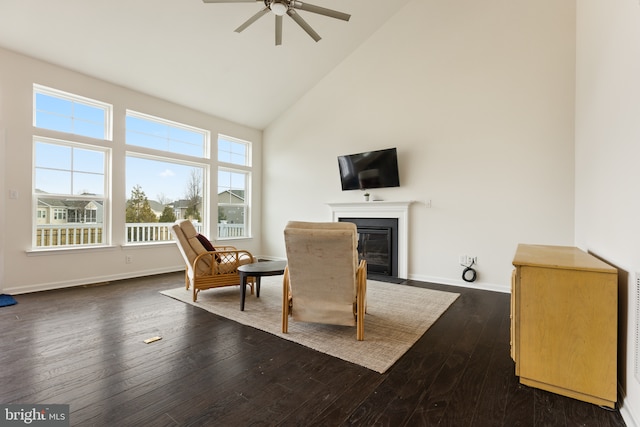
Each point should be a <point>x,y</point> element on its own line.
<point>159,179</point>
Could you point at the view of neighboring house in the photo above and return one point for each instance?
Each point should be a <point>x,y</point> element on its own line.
<point>231,214</point>
<point>57,211</point>
<point>180,208</point>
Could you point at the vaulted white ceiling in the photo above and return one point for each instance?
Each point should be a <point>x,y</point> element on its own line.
<point>187,52</point>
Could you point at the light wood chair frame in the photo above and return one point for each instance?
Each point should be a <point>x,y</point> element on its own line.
<point>215,277</point>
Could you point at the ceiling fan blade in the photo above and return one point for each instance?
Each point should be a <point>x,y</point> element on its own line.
<point>296,17</point>
<point>251,20</point>
<point>232,1</point>
<point>278,30</point>
<point>320,10</point>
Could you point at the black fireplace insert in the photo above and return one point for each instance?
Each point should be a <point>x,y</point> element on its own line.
<point>378,245</point>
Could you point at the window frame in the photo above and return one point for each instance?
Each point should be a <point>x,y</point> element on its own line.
<point>157,154</point>
<point>56,93</point>
<point>249,151</point>
<point>247,171</point>
<point>56,213</point>
<point>206,135</point>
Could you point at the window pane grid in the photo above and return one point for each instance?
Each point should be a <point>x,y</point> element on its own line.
<point>158,134</point>
<point>232,150</point>
<point>71,178</point>
<point>65,178</point>
<point>232,203</point>
<point>63,112</point>
<point>69,186</point>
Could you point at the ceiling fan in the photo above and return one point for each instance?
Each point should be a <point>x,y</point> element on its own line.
<point>286,7</point>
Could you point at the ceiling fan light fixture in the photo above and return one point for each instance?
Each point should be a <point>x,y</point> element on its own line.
<point>278,8</point>
<point>286,7</point>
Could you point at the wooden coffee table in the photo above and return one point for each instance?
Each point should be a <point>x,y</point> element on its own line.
<point>258,270</point>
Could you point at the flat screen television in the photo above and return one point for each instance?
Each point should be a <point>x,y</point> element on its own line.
<point>372,169</point>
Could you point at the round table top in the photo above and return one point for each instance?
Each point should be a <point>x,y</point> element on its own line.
<point>263,267</point>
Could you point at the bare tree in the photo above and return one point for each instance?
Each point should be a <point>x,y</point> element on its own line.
<point>163,199</point>
<point>194,195</point>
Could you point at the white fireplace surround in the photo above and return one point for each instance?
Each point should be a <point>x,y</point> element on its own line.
<point>398,210</point>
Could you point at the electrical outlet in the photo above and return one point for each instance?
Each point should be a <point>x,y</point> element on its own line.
<point>128,259</point>
<point>467,260</point>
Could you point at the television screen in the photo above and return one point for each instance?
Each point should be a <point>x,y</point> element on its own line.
<point>373,169</point>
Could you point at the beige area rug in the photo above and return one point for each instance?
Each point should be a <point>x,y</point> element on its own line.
<point>397,316</point>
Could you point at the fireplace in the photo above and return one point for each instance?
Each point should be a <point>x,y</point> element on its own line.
<point>381,210</point>
<point>377,244</point>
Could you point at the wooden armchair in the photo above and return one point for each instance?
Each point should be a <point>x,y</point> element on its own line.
<point>207,268</point>
<point>324,283</point>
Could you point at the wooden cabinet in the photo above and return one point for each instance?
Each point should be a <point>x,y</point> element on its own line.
<point>564,322</point>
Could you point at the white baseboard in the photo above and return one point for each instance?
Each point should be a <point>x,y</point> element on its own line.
<point>627,415</point>
<point>88,280</point>
<point>473,285</point>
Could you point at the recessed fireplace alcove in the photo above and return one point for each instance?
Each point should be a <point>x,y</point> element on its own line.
<point>378,244</point>
<point>376,221</point>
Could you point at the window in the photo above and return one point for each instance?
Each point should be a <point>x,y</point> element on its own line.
<point>64,112</point>
<point>234,151</point>
<point>159,134</point>
<point>166,177</point>
<point>233,187</point>
<point>70,182</point>
<point>70,176</point>
<point>170,174</point>
<point>59,214</point>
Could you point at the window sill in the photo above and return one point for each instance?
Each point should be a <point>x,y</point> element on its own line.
<point>72,250</point>
<point>227,239</point>
<point>148,244</point>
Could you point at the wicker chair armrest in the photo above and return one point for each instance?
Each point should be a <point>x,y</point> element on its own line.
<point>225,248</point>
<point>223,262</point>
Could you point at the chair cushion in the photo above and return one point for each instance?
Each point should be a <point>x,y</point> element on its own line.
<point>322,261</point>
<point>205,242</point>
<point>196,248</point>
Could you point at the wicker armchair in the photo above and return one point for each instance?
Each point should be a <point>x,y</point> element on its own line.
<point>206,269</point>
<point>324,283</point>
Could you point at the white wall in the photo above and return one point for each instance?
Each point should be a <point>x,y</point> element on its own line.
<point>478,97</point>
<point>2,168</point>
<point>607,171</point>
<point>30,272</point>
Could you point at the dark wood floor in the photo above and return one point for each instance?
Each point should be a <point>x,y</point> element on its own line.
<point>83,347</point>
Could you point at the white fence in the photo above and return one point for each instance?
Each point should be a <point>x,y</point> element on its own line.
<point>68,234</point>
<point>231,230</point>
<point>92,234</point>
<point>145,232</point>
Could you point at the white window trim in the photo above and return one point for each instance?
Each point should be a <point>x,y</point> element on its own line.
<point>107,108</point>
<point>106,197</point>
<point>247,198</point>
<point>249,144</point>
<point>179,160</point>
<point>205,133</point>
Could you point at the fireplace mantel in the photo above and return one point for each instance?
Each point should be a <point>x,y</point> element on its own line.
<point>382,209</point>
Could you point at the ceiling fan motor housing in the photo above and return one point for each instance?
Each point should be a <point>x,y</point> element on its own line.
<point>286,7</point>
<point>279,7</point>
